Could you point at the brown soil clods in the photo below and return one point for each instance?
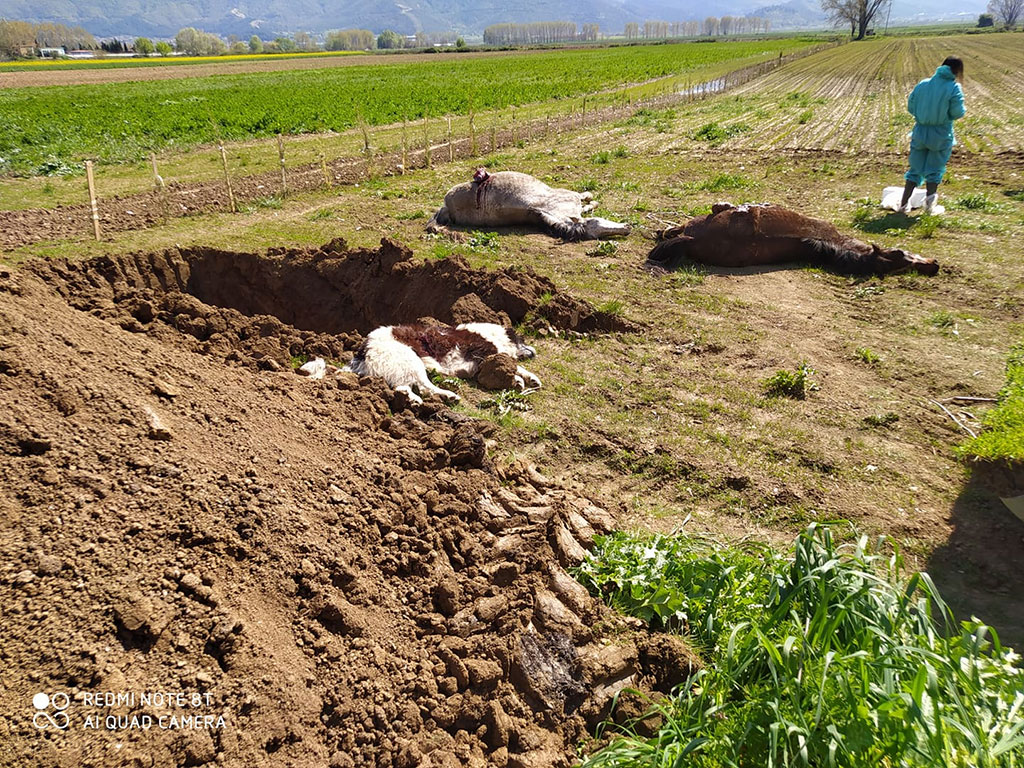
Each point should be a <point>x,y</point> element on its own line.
<point>344,581</point>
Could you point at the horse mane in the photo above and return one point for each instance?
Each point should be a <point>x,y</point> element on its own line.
<point>567,230</point>
<point>843,259</point>
<point>667,255</point>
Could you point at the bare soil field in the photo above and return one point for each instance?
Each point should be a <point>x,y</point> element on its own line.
<point>358,582</point>
<point>854,98</point>
<point>344,580</point>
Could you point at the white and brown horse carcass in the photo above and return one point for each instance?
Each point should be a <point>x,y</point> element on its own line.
<point>402,355</point>
<point>509,198</point>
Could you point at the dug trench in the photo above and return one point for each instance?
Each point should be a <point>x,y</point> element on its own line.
<point>342,580</point>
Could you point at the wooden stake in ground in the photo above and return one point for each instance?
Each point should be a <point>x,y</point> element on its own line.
<point>472,135</point>
<point>367,151</point>
<point>426,145</point>
<point>494,136</point>
<point>451,149</point>
<point>514,132</point>
<point>227,179</point>
<point>92,199</point>
<point>161,188</point>
<point>323,167</point>
<point>158,181</point>
<point>280,154</point>
<point>583,114</point>
<point>405,147</point>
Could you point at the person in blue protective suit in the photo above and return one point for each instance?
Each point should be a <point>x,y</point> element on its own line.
<point>935,103</point>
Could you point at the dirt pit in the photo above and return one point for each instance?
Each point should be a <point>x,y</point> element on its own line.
<point>230,564</point>
<point>290,302</point>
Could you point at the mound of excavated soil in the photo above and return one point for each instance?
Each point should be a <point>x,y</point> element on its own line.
<point>344,581</point>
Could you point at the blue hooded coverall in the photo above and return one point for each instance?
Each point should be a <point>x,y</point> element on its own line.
<point>935,103</point>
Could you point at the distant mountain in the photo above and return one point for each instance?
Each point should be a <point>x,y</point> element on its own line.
<point>269,18</point>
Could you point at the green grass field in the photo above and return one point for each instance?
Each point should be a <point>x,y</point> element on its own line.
<point>53,127</point>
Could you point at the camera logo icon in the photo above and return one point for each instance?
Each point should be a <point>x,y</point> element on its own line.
<point>50,711</point>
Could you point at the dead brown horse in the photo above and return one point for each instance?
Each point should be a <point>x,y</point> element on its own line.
<point>753,235</point>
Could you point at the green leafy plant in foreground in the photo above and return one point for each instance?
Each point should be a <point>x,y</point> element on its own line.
<point>795,384</point>
<point>827,657</point>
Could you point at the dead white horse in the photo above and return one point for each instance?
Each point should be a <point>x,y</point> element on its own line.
<point>508,199</point>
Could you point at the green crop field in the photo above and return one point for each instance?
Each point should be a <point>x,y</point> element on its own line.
<point>48,127</point>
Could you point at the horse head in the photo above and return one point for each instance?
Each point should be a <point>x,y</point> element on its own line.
<point>892,260</point>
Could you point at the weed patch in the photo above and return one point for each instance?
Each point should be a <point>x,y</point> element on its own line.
<point>794,384</point>
<point>1003,436</point>
<point>926,226</point>
<point>976,202</point>
<point>865,355</point>
<point>604,248</point>
<point>715,134</point>
<point>724,181</point>
<point>886,419</point>
<point>827,657</point>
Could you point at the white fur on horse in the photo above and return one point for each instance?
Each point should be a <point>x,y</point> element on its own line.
<point>893,196</point>
<point>314,369</point>
<point>509,198</point>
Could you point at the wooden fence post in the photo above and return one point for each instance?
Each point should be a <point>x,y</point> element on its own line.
<point>158,181</point>
<point>227,179</point>
<point>426,145</point>
<point>92,200</point>
<point>405,145</point>
<point>472,135</point>
<point>451,149</point>
<point>280,154</point>
<point>323,167</point>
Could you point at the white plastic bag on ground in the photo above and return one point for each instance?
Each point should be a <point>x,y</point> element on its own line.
<point>893,196</point>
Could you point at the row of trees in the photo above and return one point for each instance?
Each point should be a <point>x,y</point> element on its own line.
<point>537,32</point>
<point>712,25</point>
<point>349,40</point>
<point>17,38</point>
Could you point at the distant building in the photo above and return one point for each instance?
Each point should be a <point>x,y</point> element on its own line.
<point>51,53</point>
<point>81,54</point>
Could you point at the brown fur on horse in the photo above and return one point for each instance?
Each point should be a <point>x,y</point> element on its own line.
<point>438,341</point>
<point>755,235</point>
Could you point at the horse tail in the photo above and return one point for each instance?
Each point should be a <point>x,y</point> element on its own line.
<point>838,257</point>
<point>669,254</point>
